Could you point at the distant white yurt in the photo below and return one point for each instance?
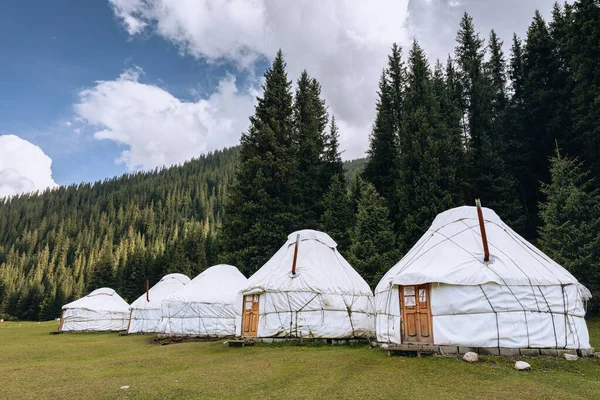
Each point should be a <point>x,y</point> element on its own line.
<point>145,312</point>
<point>206,306</point>
<point>443,292</point>
<point>100,311</point>
<point>315,294</point>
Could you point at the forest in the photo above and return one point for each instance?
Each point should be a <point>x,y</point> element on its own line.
<point>520,131</point>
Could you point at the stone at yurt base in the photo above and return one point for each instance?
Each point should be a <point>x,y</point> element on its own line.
<point>307,290</point>
<point>442,293</point>
<point>145,312</point>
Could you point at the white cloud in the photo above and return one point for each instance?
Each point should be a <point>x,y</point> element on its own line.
<point>24,167</point>
<point>343,43</point>
<point>159,129</point>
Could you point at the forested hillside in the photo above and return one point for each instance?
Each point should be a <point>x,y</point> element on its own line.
<point>56,246</point>
<point>520,131</point>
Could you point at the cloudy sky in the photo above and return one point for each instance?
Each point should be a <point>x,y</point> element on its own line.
<point>95,89</point>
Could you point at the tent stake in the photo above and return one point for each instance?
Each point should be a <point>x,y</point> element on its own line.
<point>295,254</point>
<point>486,250</point>
<point>147,290</point>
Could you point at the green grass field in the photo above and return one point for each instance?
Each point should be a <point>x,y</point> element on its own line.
<point>37,365</point>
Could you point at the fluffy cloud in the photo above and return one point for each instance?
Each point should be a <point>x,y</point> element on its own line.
<point>159,129</point>
<point>435,22</point>
<point>23,167</point>
<point>343,43</point>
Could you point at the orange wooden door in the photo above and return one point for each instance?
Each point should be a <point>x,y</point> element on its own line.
<point>416,314</point>
<point>250,315</point>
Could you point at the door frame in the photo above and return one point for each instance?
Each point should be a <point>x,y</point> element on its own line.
<point>255,299</point>
<point>403,333</point>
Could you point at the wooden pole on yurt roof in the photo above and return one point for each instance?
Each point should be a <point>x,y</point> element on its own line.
<point>486,250</point>
<point>295,254</point>
<point>147,290</point>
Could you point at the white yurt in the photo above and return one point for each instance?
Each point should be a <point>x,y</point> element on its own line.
<point>443,292</point>
<point>100,311</point>
<point>308,290</point>
<point>205,307</point>
<point>145,312</point>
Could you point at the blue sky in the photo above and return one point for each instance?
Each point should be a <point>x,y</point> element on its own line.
<point>106,87</point>
<point>54,49</point>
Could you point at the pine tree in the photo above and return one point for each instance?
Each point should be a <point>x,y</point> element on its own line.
<point>134,276</point>
<point>570,233</point>
<point>332,156</point>
<point>448,135</point>
<point>260,211</point>
<point>310,122</point>
<point>337,218</point>
<point>421,196</point>
<point>541,111</point>
<point>356,192</point>
<point>585,105</point>
<point>372,251</point>
<point>381,168</point>
<point>475,90</point>
<point>488,176</point>
<point>496,73</point>
<point>103,270</point>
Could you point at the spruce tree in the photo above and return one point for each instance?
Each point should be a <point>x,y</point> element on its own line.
<point>310,122</point>
<point>585,105</point>
<point>420,194</point>
<point>356,191</point>
<point>542,123</point>
<point>103,270</point>
<point>448,134</point>
<point>487,173</point>
<point>337,218</point>
<point>332,156</point>
<point>570,230</point>
<point>260,211</point>
<point>381,167</point>
<point>373,250</point>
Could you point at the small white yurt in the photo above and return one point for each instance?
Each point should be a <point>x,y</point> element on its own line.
<point>145,312</point>
<point>206,306</point>
<point>307,290</point>
<point>100,311</point>
<point>444,292</point>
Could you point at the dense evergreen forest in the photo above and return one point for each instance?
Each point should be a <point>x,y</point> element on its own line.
<point>519,131</point>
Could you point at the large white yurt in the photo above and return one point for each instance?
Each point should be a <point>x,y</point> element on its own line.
<point>205,307</point>
<point>308,290</point>
<point>145,312</point>
<point>100,311</point>
<point>443,292</point>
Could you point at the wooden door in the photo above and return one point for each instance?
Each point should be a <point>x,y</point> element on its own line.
<point>416,314</point>
<point>250,315</point>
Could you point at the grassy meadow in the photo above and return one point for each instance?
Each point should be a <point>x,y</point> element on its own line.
<point>38,365</point>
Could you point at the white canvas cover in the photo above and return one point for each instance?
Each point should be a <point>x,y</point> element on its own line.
<point>102,310</point>
<point>145,315</point>
<point>326,298</point>
<point>520,299</point>
<point>206,306</point>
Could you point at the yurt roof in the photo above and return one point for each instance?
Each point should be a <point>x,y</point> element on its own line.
<point>320,268</point>
<point>167,285</point>
<point>103,299</point>
<point>451,252</point>
<point>217,284</point>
